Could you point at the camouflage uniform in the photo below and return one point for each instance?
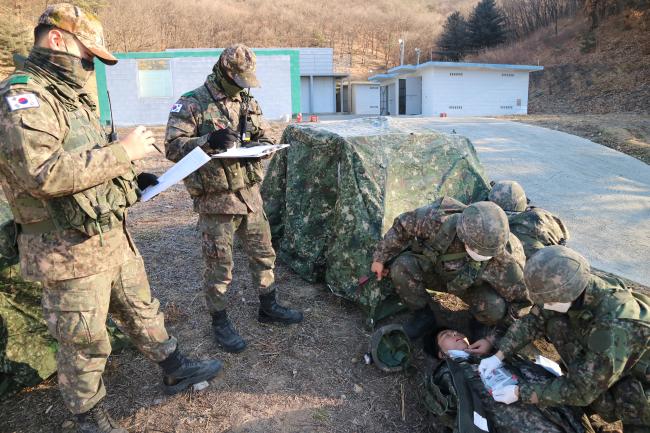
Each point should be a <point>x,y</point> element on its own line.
<point>69,189</point>
<point>225,192</point>
<point>603,342</point>
<point>437,260</point>
<point>536,228</point>
<point>442,398</point>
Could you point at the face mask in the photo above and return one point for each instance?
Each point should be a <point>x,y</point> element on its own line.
<point>88,65</point>
<point>560,307</point>
<point>230,88</point>
<point>67,67</point>
<point>476,256</point>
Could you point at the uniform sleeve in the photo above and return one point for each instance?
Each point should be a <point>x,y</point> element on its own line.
<point>33,151</point>
<point>419,223</point>
<point>590,374</point>
<point>260,126</point>
<point>522,332</point>
<point>182,136</point>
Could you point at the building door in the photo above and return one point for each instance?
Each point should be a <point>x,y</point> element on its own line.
<point>402,96</point>
<point>383,100</point>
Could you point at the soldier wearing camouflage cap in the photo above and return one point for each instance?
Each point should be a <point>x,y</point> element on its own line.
<point>464,250</point>
<point>535,227</point>
<point>217,116</point>
<point>69,190</point>
<point>601,330</point>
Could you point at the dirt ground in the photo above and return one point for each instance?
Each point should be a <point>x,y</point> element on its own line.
<point>308,377</point>
<point>627,133</point>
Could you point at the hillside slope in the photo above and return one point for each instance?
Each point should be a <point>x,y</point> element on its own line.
<point>606,70</point>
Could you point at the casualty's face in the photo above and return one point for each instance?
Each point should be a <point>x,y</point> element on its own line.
<point>451,340</point>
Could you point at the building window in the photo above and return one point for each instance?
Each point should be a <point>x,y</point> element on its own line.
<point>506,107</point>
<point>154,79</point>
<point>455,107</point>
<point>507,75</point>
<point>455,74</point>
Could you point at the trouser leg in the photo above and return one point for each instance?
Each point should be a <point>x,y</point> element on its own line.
<point>627,400</point>
<point>137,313</point>
<point>255,235</point>
<point>75,311</point>
<point>411,275</point>
<point>217,240</point>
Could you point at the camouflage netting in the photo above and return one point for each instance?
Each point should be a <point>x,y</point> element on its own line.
<point>332,195</point>
<point>27,351</point>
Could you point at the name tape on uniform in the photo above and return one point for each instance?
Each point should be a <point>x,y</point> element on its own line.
<point>25,100</point>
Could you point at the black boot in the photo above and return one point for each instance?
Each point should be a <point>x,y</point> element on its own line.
<point>179,373</point>
<point>225,334</point>
<point>98,420</point>
<point>271,311</point>
<point>421,321</point>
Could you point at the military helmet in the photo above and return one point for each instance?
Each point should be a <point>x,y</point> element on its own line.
<point>84,25</point>
<point>483,227</point>
<point>556,274</point>
<point>390,348</point>
<point>509,195</point>
<point>238,62</point>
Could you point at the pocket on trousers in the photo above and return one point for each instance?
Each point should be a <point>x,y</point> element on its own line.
<point>135,285</point>
<point>70,315</point>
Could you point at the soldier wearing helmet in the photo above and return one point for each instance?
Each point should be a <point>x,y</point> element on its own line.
<point>219,115</point>
<point>535,227</point>
<point>467,251</point>
<point>601,330</point>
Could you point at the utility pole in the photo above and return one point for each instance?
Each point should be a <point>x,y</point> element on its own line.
<point>401,52</point>
<point>417,56</point>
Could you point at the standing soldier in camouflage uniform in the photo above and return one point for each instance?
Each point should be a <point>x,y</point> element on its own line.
<point>536,228</point>
<point>467,251</point>
<point>601,330</point>
<point>69,190</point>
<point>218,116</point>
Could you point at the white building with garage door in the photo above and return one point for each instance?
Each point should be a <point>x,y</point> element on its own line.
<point>455,89</point>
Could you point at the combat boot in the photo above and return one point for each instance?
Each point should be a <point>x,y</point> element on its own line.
<point>421,321</point>
<point>225,334</point>
<point>98,420</point>
<point>179,373</point>
<point>271,311</point>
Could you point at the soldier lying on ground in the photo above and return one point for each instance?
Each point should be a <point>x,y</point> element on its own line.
<point>454,393</point>
<point>601,330</point>
<point>536,228</point>
<point>467,251</point>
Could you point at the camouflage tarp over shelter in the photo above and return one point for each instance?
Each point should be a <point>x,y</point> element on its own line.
<point>333,194</point>
<point>27,351</point>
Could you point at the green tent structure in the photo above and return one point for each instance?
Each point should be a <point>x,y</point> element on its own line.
<point>336,190</point>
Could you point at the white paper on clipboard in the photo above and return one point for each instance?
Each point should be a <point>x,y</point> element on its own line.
<point>250,152</point>
<point>179,171</point>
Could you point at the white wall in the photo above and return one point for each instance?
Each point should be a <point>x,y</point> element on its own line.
<point>474,93</point>
<point>305,95</point>
<point>273,72</point>
<point>365,99</point>
<point>324,96</point>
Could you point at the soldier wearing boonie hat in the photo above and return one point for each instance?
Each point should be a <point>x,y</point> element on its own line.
<point>69,189</point>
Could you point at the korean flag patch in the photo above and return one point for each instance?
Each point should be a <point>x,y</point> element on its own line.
<point>176,108</point>
<point>26,100</point>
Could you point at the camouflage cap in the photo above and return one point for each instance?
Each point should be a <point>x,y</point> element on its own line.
<point>84,25</point>
<point>556,274</point>
<point>239,63</point>
<point>509,195</point>
<point>483,227</point>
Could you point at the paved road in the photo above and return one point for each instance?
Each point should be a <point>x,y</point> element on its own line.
<point>602,195</point>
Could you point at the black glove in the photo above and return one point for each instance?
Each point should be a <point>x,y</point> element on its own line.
<point>222,139</point>
<point>147,179</point>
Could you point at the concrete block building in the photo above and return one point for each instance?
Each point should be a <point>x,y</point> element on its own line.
<point>455,89</point>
